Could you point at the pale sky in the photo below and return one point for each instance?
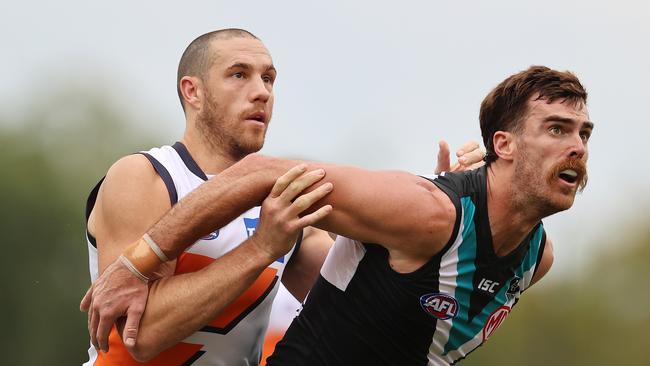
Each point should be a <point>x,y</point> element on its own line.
<point>368,84</point>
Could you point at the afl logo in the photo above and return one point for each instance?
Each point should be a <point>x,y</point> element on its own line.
<point>494,321</point>
<point>439,305</point>
<point>213,235</point>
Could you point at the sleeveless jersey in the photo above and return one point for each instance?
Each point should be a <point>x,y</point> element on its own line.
<point>361,312</point>
<point>236,336</point>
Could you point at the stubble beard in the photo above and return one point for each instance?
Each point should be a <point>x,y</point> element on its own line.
<point>531,192</point>
<point>220,134</point>
<point>535,191</point>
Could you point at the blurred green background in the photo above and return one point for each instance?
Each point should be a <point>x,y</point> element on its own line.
<point>49,161</point>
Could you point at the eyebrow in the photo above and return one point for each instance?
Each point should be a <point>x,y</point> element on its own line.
<point>239,65</point>
<point>566,120</point>
<point>245,66</point>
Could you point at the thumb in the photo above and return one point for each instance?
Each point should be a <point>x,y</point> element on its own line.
<point>84,305</point>
<point>131,326</point>
<point>444,160</point>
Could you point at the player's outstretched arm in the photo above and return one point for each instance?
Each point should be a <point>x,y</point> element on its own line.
<point>396,209</point>
<point>303,268</point>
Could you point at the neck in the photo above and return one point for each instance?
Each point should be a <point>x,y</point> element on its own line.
<point>510,220</point>
<point>211,159</point>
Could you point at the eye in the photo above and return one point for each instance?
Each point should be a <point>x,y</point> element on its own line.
<point>268,79</point>
<point>238,75</point>
<point>555,130</point>
<point>585,136</point>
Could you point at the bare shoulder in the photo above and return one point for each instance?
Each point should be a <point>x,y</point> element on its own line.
<point>545,263</point>
<point>440,215</point>
<point>424,214</point>
<point>131,199</point>
<point>129,180</point>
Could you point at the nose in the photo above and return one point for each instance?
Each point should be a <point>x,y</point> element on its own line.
<point>578,148</point>
<point>260,91</point>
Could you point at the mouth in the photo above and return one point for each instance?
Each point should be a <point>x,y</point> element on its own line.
<point>572,173</point>
<point>259,116</point>
<point>569,175</point>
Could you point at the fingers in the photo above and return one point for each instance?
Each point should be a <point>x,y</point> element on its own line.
<point>467,147</point>
<point>133,317</point>
<point>314,217</point>
<point>301,183</point>
<point>444,161</point>
<point>305,201</point>
<point>103,330</point>
<point>472,157</point>
<point>84,305</point>
<point>93,321</point>
<point>286,179</point>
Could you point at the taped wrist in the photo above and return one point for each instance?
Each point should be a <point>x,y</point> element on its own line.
<point>143,258</point>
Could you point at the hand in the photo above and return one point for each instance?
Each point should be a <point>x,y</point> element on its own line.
<point>280,220</point>
<point>470,156</point>
<point>116,293</point>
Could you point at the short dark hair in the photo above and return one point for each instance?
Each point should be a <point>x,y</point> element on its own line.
<point>198,56</point>
<point>505,106</point>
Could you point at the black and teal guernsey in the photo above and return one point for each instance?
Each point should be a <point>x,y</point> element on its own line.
<point>361,312</point>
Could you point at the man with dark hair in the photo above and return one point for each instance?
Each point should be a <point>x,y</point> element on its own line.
<point>210,303</point>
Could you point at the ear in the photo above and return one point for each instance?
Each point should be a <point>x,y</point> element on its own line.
<point>192,92</point>
<point>505,145</point>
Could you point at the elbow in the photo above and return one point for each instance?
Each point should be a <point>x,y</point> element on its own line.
<point>140,355</point>
<point>142,352</point>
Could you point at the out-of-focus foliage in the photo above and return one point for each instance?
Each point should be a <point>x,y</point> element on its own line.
<point>51,158</point>
<point>49,161</point>
<point>602,318</point>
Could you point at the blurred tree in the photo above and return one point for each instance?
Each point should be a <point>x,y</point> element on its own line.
<point>602,318</point>
<point>49,161</point>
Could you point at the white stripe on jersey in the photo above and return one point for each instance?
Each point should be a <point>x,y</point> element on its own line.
<point>447,285</point>
<point>342,261</point>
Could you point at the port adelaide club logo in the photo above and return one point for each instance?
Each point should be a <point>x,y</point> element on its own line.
<point>439,305</point>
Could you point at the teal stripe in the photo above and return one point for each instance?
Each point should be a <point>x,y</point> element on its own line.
<point>464,278</point>
<point>462,330</point>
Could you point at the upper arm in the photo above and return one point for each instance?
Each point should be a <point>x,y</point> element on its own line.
<point>130,200</point>
<point>545,263</point>
<point>399,210</point>
<point>303,268</point>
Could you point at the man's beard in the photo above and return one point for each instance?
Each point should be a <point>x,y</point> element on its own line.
<point>220,134</point>
<point>535,192</point>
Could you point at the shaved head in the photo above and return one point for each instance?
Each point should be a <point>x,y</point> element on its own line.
<point>199,55</point>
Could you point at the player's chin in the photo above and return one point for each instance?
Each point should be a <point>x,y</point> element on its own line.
<point>563,202</point>
<point>253,144</point>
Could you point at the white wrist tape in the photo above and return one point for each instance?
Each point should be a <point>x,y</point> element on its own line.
<point>156,249</point>
<point>127,263</point>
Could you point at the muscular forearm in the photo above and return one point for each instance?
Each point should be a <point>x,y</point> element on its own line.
<point>215,203</point>
<point>368,206</point>
<point>180,305</point>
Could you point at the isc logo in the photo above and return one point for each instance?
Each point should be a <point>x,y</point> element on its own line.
<point>438,305</point>
<point>488,285</point>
